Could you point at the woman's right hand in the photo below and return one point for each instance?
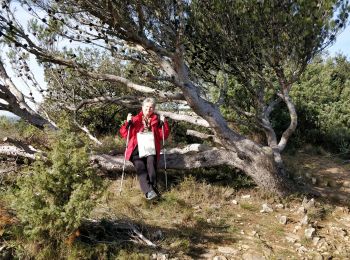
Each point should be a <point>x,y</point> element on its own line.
<point>129,118</point>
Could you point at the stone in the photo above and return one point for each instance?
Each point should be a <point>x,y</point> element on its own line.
<point>219,257</point>
<point>346,184</point>
<point>292,238</point>
<point>301,250</point>
<point>309,232</point>
<point>234,202</point>
<point>304,221</point>
<point>266,209</point>
<point>304,201</point>
<point>245,247</point>
<point>296,228</point>
<point>283,220</point>
<point>227,250</point>
<point>245,196</point>
<point>315,241</point>
<point>160,256</point>
<point>301,210</point>
<point>308,204</point>
<point>279,206</point>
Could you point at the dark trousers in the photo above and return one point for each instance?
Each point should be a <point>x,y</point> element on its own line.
<point>146,170</point>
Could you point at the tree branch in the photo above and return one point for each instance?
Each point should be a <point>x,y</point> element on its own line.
<point>293,122</point>
<point>15,148</point>
<point>117,100</point>
<point>17,103</point>
<point>196,120</point>
<point>86,130</point>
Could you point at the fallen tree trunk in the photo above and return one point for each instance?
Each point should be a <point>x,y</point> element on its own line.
<point>16,149</point>
<point>190,157</point>
<point>177,159</point>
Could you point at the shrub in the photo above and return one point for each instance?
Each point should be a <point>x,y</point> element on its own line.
<point>54,196</point>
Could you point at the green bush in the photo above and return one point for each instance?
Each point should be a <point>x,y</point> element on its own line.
<point>321,98</point>
<point>54,196</point>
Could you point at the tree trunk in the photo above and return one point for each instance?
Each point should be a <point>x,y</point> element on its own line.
<point>30,116</point>
<point>269,174</point>
<point>15,101</point>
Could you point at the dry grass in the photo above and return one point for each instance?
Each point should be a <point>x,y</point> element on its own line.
<point>195,218</point>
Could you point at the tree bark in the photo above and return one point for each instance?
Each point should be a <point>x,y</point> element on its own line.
<point>16,103</point>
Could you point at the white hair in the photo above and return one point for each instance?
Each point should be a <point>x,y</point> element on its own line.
<point>149,100</point>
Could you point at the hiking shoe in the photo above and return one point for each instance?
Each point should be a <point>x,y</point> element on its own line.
<point>151,195</point>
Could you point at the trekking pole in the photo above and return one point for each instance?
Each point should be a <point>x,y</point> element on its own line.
<point>126,147</point>
<point>166,176</point>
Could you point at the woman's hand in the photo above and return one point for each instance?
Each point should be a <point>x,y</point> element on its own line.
<point>129,118</point>
<point>162,118</point>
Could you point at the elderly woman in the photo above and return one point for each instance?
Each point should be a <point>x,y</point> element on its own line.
<point>146,126</point>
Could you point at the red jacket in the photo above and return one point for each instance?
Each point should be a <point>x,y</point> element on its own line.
<point>137,126</point>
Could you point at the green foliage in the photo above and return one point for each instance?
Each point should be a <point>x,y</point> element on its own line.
<point>54,196</point>
<point>321,98</point>
<point>262,47</point>
<point>21,130</point>
<point>253,38</point>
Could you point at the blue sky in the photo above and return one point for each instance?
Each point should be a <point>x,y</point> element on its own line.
<point>342,44</point>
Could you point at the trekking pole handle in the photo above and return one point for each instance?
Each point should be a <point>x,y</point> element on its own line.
<point>129,119</point>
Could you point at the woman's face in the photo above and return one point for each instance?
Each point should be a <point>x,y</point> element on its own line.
<point>148,109</point>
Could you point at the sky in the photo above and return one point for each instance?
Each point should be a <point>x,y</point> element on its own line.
<point>341,46</point>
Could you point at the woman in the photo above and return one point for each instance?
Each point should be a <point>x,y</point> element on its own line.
<point>146,167</point>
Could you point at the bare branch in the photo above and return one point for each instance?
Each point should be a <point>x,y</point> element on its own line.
<point>110,77</point>
<point>196,120</point>
<point>142,237</point>
<point>125,101</point>
<point>86,130</point>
